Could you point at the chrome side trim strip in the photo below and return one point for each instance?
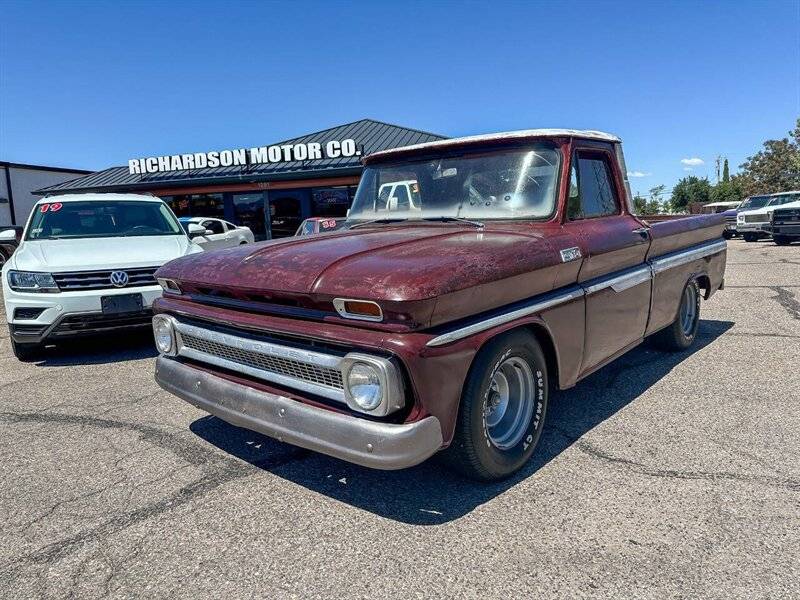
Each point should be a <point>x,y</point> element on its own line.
<point>266,348</point>
<point>457,334</point>
<point>620,283</point>
<point>686,256</point>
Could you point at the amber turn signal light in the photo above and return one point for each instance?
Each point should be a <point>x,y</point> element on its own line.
<point>363,310</point>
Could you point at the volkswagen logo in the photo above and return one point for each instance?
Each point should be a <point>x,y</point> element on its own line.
<point>119,278</point>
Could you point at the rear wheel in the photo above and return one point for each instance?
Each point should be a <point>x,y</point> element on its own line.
<point>781,240</point>
<point>681,334</point>
<point>502,409</point>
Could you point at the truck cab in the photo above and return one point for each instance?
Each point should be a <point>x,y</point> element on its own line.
<point>440,324</point>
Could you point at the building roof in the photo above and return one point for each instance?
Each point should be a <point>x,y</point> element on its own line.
<point>373,135</point>
<point>14,165</point>
<point>490,138</point>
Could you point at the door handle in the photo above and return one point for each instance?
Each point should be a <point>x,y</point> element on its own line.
<point>642,231</point>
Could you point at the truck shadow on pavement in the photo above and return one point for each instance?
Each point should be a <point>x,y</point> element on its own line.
<point>431,495</point>
<point>96,350</point>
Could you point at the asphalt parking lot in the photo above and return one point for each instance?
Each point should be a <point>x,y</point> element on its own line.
<point>660,475</point>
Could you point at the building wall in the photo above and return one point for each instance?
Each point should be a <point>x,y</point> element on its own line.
<point>24,180</point>
<point>5,206</point>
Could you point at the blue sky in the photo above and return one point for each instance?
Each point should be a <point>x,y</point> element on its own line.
<point>91,85</point>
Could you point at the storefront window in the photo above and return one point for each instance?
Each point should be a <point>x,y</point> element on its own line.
<point>208,205</point>
<point>330,202</point>
<point>248,210</point>
<point>179,205</point>
<point>284,215</point>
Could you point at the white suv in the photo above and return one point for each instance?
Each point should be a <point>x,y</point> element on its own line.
<point>85,265</point>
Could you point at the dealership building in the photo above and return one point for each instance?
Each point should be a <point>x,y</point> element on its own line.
<point>17,184</point>
<point>270,189</point>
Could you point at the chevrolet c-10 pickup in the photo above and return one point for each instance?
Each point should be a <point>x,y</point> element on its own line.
<point>439,319</point>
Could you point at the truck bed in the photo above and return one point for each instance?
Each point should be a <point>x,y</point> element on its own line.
<point>676,234</point>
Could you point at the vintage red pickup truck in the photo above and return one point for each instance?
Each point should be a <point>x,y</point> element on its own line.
<point>443,315</point>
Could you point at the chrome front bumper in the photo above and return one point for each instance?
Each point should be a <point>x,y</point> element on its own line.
<point>367,443</point>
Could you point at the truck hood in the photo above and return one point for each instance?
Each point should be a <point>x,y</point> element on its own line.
<point>412,265</point>
<point>90,254</point>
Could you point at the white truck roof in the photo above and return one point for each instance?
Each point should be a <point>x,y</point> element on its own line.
<point>521,134</point>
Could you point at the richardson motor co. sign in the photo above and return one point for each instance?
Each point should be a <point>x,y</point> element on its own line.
<point>243,156</point>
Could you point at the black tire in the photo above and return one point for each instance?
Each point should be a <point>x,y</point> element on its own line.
<point>727,235</point>
<point>750,237</point>
<point>682,332</point>
<point>26,352</point>
<point>473,451</point>
<point>3,258</point>
<point>782,240</point>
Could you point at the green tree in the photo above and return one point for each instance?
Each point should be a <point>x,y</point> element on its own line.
<point>726,191</point>
<point>726,174</point>
<point>639,204</point>
<point>653,207</point>
<point>776,168</point>
<point>689,189</point>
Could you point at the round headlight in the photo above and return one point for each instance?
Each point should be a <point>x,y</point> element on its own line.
<point>364,386</point>
<point>164,334</point>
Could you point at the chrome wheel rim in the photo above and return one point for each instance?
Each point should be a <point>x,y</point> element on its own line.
<point>688,310</point>
<point>509,403</point>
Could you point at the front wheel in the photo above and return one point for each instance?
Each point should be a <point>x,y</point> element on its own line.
<point>502,409</point>
<point>750,237</point>
<point>781,240</point>
<point>681,334</point>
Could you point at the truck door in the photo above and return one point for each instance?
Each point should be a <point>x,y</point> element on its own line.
<point>614,273</point>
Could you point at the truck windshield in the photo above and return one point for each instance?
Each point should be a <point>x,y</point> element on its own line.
<point>754,202</point>
<point>96,219</point>
<point>784,199</point>
<point>504,184</point>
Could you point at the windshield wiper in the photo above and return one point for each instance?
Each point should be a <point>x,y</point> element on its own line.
<point>373,221</point>
<point>478,224</point>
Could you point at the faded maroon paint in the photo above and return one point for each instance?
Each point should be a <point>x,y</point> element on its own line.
<point>408,269</point>
<point>669,236</point>
<point>424,275</point>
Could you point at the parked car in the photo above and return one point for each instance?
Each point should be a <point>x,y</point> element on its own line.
<point>442,328</point>
<point>86,265</point>
<point>9,240</point>
<point>314,225</point>
<point>730,223</point>
<point>217,233</point>
<point>753,222</point>
<point>785,221</point>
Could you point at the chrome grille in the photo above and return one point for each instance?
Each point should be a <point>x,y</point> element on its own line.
<point>731,219</point>
<point>786,215</point>
<point>101,280</point>
<point>759,218</point>
<point>294,367</point>
<point>274,364</point>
